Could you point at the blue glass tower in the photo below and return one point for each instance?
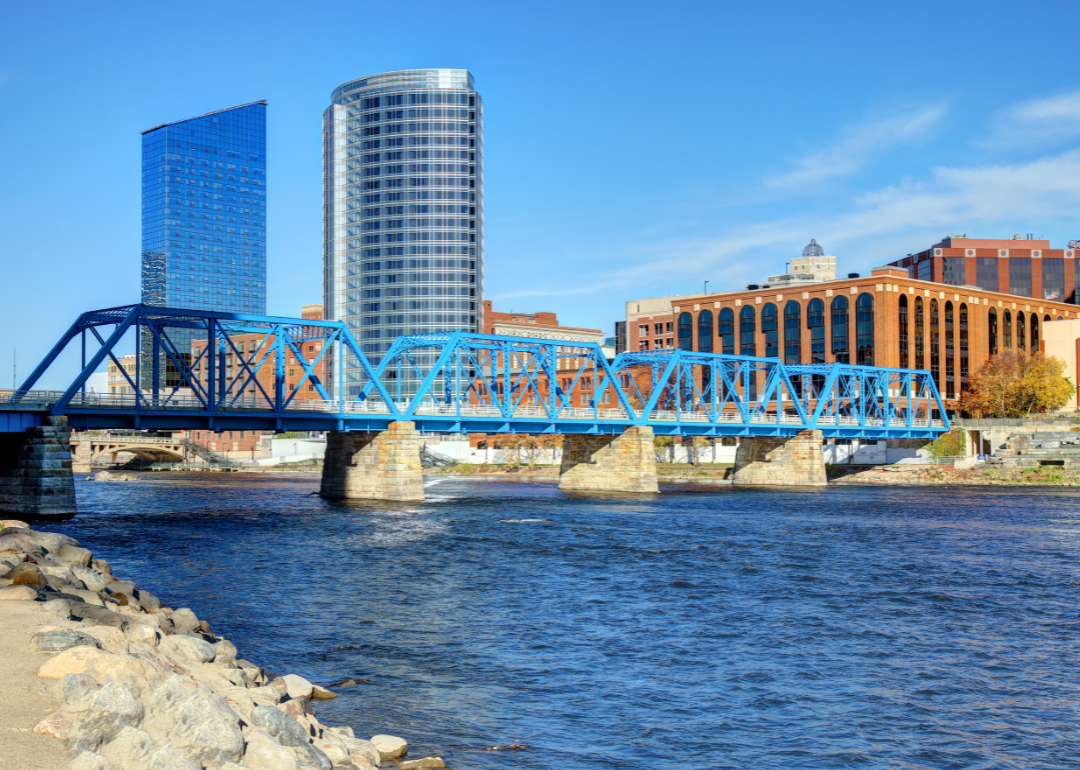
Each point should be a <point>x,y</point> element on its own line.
<point>403,209</point>
<point>204,213</point>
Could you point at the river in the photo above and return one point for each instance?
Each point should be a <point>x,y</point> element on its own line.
<point>701,628</point>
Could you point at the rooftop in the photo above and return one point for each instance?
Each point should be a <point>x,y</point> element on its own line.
<point>204,115</point>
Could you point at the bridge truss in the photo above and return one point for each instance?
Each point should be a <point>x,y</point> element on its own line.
<point>461,382</point>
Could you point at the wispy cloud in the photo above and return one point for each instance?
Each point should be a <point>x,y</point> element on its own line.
<point>857,146</point>
<point>1051,119</point>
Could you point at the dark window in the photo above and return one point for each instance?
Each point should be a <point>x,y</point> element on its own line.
<point>953,271</point>
<point>992,331</point>
<point>1021,332</point>
<point>864,329</point>
<point>770,329</point>
<point>950,351</point>
<point>1034,333</point>
<point>935,344</point>
<point>903,321</point>
<point>1053,279</point>
<point>1007,331</point>
<point>1020,276</point>
<point>726,330</point>
<point>925,269</point>
<point>920,335</point>
<point>747,332</point>
<point>963,346</point>
<point>704,331</point>
<point>815,322</point>
<point>841,352</point>
<point>986,273</point>
<point>792,324</point>
<point>686,331</point>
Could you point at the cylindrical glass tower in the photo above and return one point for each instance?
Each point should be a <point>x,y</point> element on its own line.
<point>403,210</point>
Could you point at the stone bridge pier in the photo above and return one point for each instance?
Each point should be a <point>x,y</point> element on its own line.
<point>771,461</point>
<point>376,466</point>
<point>35,472</point>
<point>622,463</point>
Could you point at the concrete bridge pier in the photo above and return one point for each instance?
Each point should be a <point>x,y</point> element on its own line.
<point>35,472</point>
<point>622,463</point>
<point>772,461</point>
<point>376,466</point>
<point>82,455</point>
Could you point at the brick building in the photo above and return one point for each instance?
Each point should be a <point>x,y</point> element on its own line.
<point>650,323</point>
<point>1023,267</point>
<point>885,319</point>
<point>243,443</point>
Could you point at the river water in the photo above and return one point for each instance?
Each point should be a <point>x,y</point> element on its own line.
<point>900,627</point>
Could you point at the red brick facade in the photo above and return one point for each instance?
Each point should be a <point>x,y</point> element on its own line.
<point>891,327</point>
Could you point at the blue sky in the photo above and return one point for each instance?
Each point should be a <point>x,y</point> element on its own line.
<point>632,149</point>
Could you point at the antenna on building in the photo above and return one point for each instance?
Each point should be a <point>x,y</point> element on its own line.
<point>14,368</point>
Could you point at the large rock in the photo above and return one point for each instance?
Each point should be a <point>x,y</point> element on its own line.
<point>99,615</point>
<point>103,667</point>
<point>184,618</point>
<point>88,760</point>
<point>188,648</point>
<point>20,542</point>
<point>92,579</point>
<point>73,554</point>
<point>289,732</point>
<point>427,763</point>
<point>26,574</point>
<point>90,597</point>
<point>129,750</point>
<point>51,642</point>
<point>112,639</point>
<point>168,757</point>
<point>226,650</point>
<point>297,686</point>
<point>137,633</point>
<point>260,755</point>
<point>18,594</point>
<point>389,746</point>
<point>362,751</point>
<point>195,720</point>
<point>321,693</point>
<point>102,715</point>
<point>147,600</point>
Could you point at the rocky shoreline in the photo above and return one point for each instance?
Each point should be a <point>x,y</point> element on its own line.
<point>147,687</point>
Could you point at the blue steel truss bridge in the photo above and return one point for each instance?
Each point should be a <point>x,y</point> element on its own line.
<point>468,383</point>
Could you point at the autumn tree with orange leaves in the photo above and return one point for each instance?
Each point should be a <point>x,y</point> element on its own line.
<point>1014,384</point>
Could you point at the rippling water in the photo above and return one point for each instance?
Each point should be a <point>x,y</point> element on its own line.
<point>863,626</point>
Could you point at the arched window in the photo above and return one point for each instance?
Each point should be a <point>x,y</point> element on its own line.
<point>920,335</point>
<point>963,346</point>
<point>992,331</point>
<point>840,350</point>
<point>950,352</point>
<point>1006,332</point>
<point>1021,332</point>
<point>864,329</point>
<point>748,347</point>
<point>1034,334</point>
<point>935,344</point>
<point>815,323</point>
<point>685,332</point>
<point>770,330</point>
<point>747,332</point>
<point>903,321</point>
<point>704,331</point>
<point>792,324</point>
<point>727,331</point>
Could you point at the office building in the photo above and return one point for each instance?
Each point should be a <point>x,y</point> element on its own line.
<point>403,209</point>
<point>1023,267</point>
<point>204,218</point>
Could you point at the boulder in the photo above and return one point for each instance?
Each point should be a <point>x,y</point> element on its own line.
<point>226,650</point>
<point>88,760</point>
<point>129,750</point>
<point>260,755</point>
<point>184,618</point>
<point>297,686</point>
<point>55,726</point>
<point>362,751</point>
<point>26,574</point>
<point>427,763</point>
<point>59,608</point>
<point>279,684</point>
<point>390,746</point>
<point>289,733</point>
<point>321,693</point>
<point>73,554</point>
<point>138,633</point>
<point>102,566</point>
<point>102,715</point>
<point>52,541</point>
<point>188,648</point>
<point>102,666</point>
<point>18,594</point>
<point>112,639</point>
<point>51,642</point>
<point>99,615</point>
<point>168,757</point>
<point>92,579</point>
<point>147,600</point>
<point>14,523</point>
<point>334,750</point>
<point>90,597</point>
<point>22,543</point>
<point>197,721</point>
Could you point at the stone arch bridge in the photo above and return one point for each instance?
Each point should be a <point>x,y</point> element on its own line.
<point>88,449</point>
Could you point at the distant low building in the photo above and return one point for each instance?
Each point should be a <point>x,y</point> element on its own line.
<point>814,266</point>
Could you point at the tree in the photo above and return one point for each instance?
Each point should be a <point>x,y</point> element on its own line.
<point>1014,384</point>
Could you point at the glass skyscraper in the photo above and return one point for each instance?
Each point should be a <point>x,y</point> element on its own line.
<point>204,215</point>
<point>403,209</point>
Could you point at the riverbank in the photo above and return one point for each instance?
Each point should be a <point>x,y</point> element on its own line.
<point>98,671</point>
<point>933,475</point>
